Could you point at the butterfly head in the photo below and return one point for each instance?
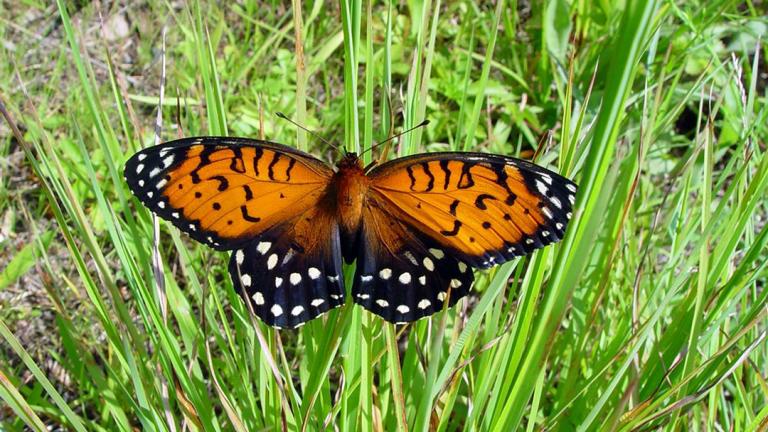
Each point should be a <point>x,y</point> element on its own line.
<point>350,162</point>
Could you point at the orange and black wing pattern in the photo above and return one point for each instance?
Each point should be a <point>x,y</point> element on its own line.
<point>253,197</point>
<point>486,209</point>
<point>430,216</point>
<point>403,275</point>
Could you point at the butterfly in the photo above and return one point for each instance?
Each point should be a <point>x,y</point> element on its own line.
<point>415,225</point>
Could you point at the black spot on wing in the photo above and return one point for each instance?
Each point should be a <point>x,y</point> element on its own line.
<point>454,231</point>
<point>291,163</point>
<point>271,168</point>
<point>446,173</point>
<point>258,154</point>
<point>465,179</point>
<point>480,201</point>
<point>409,170</point>
<point>237,164</point>
<point>223,183</point>
<point>454,206</point>
<point>431,183</point>
<point>247,216</point>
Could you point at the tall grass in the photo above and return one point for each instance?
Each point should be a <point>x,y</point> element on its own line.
<point>651,313</point>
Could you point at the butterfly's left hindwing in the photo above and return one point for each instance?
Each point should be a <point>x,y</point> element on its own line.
<point>401,275</point>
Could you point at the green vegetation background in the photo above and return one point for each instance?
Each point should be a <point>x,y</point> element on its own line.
<point>650,313</point>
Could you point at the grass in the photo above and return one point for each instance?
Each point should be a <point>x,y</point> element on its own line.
<point>650,314</point>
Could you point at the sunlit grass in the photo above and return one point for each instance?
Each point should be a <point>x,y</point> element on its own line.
<point>650,313</point>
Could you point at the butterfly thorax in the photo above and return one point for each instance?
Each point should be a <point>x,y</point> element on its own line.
<point>351,186</point>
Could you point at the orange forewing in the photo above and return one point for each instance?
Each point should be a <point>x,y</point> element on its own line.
<point>227,193</point>
<point>476,205</point>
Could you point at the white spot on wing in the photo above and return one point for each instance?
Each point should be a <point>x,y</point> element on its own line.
<point>278,282</point>
<point>385,273</point>
<point>542,188</point>
<point>161,183</point>
<point>528,241</point>
<point>271,261</point>
<point>571,187</point>
<point>423,280</point>
<point>559,225</point>
<point>295,278</point>
<point>411,258</point>
<point>142,156</point>
<point>192,227</point>
<point>139,168</point>
<point>568,215</point>
<point>313,273</point>
<point>462,267</point>
<point>403,309</point>
<point>168,161</point>
<point>245,280</point>
<point>556,201</point>
<point>333,279</point>
<point>571,199</point>
<point>366,278</point>
<point>239,257</point>
<point>547,212</point>
<point>297,310</point>
<point>547,179</point>
<point>363,296</point>
<point>405,278</point>
<point>263,247</point>
<point>155,171</point>
<point>258,298</point>
<point>317,302</point>
<point>441,295</point>
<point>161,204</point>
<point>455,283</point>
<point>383,303</point>
<point>141,183</point>
<point>424,304</point>
<point>545,233</point>
<point>175,215</point>
<point>150,194</point>
<point>428,264</point>
<point>276,310</point>
<point>437,253</point>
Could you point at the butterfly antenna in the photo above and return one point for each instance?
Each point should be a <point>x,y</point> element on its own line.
<point>313,133</point>
<point>422,124</point>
